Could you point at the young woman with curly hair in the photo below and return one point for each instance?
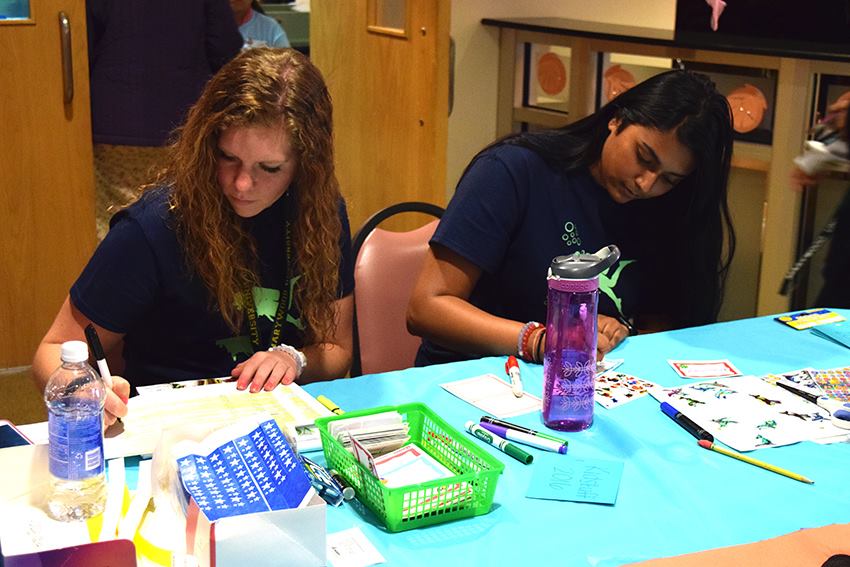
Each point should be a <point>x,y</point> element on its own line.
<point>236,260</point>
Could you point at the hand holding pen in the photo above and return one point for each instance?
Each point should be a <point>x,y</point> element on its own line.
<point>118,389</point>
<point>610,333</point>
<point>96,350</point>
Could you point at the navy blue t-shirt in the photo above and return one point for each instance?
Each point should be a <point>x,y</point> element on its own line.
<point>510,215</point>
<point>137,283</point>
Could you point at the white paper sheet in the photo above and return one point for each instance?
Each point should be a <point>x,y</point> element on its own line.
<point>213,406</point>
<point>493,395</point>
<point>350,548</point>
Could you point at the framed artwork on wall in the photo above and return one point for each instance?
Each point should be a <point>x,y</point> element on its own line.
<point>751,93</point>
<point>546,81</point>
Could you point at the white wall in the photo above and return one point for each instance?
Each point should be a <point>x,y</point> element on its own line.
<point>472,124</point>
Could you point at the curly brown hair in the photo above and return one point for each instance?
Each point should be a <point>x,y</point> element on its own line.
<point>265,87</point>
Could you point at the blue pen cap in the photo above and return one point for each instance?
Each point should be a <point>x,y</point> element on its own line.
<point>669,410</point>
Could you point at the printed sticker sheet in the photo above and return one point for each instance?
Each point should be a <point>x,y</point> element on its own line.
<point>835,383</point>
<point>614,389</point>
<point>748,412</point>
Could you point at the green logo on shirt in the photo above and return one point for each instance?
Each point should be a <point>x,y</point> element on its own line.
<point>265,301</point>
<point>570,235</point>
<point>608,283</point>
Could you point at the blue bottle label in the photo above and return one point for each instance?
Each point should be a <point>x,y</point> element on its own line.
<point>76,446</point>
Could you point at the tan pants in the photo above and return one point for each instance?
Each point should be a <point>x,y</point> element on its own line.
<point>119,171</point>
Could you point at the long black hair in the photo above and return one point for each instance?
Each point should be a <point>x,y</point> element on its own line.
<point>684,239</point>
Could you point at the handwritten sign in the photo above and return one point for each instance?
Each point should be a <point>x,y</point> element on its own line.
<point>577,480</point>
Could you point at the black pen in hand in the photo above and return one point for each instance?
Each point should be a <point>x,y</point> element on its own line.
<point>98,354</point>
<point>100,357</point>
<point>627,325</point>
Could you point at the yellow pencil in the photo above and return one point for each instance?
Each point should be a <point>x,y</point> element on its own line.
<point>709,445</point>
<point>329,404</point>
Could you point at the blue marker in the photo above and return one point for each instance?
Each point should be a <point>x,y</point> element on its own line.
<point>685,423</point>
<point>347,490</point>
<point>322,482</point>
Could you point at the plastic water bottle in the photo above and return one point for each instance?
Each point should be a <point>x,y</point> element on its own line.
<point>569,362</point>
<point>75,395</point>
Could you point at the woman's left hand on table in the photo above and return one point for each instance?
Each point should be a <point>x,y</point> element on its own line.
<point>265,370</point>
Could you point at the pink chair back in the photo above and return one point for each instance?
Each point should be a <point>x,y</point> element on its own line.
<point>385,272</point>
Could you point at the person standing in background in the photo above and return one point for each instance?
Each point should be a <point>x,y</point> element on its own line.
<point>256,28</point>
<point>836,268</point>
<point>148,62</point>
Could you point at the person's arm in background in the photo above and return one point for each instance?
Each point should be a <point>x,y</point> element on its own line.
<point>325,361</point>
<point>838,110</point>
<point>223,41</point>
<point>440,311</point>
<point>70,325</point>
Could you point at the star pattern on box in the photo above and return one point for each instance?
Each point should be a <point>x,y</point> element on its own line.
<point>256,472</point>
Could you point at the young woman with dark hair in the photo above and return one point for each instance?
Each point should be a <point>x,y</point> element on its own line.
<point>647,172</point>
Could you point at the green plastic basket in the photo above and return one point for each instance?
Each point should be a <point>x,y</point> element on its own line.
<point>468,493</point>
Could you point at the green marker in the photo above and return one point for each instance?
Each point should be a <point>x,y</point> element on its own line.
<point>499,443</point>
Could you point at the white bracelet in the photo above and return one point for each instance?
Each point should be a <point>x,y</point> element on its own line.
<point>297,355</point>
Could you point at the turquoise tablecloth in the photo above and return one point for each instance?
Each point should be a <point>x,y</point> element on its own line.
<point>674,497</point>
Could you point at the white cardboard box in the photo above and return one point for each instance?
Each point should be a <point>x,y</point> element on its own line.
<point>294,538</point>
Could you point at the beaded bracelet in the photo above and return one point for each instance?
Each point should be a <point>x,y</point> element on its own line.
<point>297,356</point>
<point>522,339</point>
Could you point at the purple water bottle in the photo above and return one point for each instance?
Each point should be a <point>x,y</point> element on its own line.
<point>569,363</point>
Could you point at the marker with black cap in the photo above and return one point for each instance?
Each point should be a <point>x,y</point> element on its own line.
<point>685,423</point>
<point>98,354</point>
